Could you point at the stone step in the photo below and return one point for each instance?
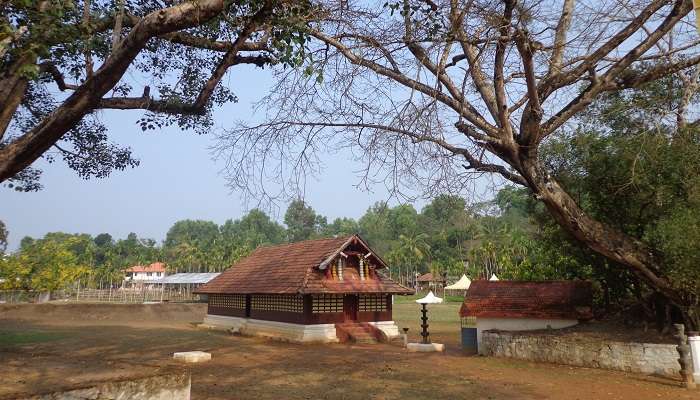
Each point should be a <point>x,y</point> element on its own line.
<point>358,333</point>
<point>357,330</point>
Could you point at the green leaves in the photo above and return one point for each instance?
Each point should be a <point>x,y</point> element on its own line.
<point>302,222</point>
<point>52,263</point>
<point>630,165</point>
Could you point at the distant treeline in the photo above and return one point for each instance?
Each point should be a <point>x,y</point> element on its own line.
<point>445,237</point>
<point>510,236</point>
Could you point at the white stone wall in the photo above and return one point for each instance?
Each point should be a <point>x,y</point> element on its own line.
<point>160,387</point>
<point>645,358</point>
<point>519,324</point>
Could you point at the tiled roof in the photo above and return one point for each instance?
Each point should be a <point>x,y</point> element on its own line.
<point>155,267</point>
<point>522,299</point>
<point>293,268</point>
<point>429,278</point>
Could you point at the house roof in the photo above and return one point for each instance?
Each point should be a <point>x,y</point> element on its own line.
<point>155,267</point>
<point>522,299</point>
<point>297,268</point>
<point>188,278</point>
<point>429,278</point>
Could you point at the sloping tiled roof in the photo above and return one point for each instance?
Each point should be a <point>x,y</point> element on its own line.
<point>155,267</point>
<point>521,299</point>
<point>293,268</point>
<point>429,278</point>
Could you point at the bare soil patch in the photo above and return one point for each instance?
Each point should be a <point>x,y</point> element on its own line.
<point>67,345</point>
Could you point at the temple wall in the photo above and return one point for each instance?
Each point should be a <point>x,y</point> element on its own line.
<point>304,315</point>
<point>282,316</point>
<point>369,316</point>
<point>231,312</point>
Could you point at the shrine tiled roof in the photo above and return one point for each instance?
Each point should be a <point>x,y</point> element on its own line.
<point>523,299</point>
<point>155,267</point>
<point>429,277</point>
<point>295,269</point>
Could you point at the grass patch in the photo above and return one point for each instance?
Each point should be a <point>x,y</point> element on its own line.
<point>19,338</point>
<point>437,312</point>
<point>442,318</point>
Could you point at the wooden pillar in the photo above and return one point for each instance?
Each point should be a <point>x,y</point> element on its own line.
<point>308,309</point>
<point>248,305</point>
<point>389,306</point>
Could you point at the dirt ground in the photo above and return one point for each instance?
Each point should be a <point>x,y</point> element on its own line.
<point>46,347</point>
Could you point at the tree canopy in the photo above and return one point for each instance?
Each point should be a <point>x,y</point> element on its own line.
<point>589,109</point>
<point>62,61</point>
<point>434,94</point>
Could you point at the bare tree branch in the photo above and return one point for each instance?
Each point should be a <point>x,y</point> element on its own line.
<point>680,9</point>
<point>562,29</point>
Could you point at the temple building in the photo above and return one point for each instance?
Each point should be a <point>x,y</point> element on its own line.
<point>522,306</point>
<point>324,290</point>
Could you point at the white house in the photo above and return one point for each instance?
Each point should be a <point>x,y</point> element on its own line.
<point>140,273</point>
<point>524,306</point>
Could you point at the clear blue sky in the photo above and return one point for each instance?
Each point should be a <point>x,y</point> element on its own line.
<point>177,179</point>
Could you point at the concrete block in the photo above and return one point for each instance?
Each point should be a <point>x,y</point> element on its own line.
<point>192,356</point>
<point>425,348</point>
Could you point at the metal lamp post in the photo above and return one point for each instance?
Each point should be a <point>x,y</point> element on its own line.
<point>429,299</point>
<point>424,333</point>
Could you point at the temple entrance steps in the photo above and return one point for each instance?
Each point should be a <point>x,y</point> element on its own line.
<point>359,332</point>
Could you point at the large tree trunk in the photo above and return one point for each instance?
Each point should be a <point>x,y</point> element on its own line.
<point>603,239</point>
<point>25,150</point>
<point>13,86</point>
<point>12,92</point>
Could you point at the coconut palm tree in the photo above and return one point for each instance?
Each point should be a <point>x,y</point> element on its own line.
<point>415,250</point>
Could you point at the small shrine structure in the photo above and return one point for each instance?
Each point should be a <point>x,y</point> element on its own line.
<point>524,306</point>
<point>323,290</point>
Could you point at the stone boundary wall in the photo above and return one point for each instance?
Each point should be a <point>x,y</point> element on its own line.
<point>160,387</point>
<point>645,358</point>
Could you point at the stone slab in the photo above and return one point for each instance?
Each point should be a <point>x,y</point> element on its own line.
<point>425,348</point>
<point>192,356</point>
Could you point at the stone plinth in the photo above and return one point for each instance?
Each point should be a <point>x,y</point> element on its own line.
<point>425,348</point>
